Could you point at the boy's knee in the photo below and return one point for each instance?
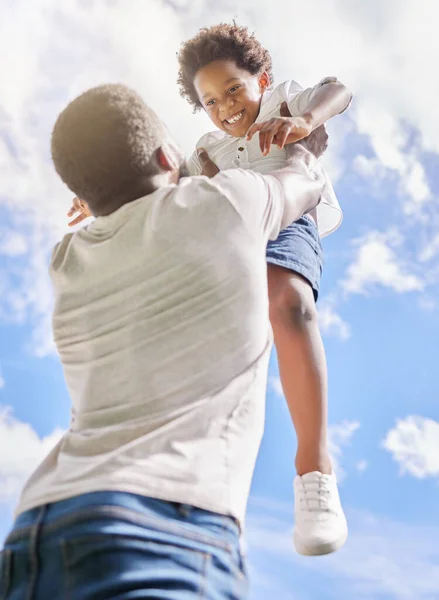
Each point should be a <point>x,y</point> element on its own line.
<point>291,300</point>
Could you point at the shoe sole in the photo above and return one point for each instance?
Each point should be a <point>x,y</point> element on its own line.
<point>321,549</point>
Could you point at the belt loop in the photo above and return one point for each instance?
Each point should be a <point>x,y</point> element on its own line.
<point>33,551</point>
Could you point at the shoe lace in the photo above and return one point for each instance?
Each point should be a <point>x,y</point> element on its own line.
<point>314,495</point>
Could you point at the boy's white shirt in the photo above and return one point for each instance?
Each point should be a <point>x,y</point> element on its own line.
<point>229,152</point>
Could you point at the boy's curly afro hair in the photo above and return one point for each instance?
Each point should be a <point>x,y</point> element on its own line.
<point>220,42</point>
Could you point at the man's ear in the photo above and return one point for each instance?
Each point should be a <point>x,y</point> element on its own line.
<point>264,81</point>
<point>164,161</point>
<point>167,158</point>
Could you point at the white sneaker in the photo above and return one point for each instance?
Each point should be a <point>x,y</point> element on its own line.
<point>320,523</point>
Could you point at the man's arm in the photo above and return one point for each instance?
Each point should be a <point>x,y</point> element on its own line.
<point>302,181</point>
<point>269,203</point>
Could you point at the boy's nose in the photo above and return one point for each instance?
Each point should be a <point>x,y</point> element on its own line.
<point>226,106</point>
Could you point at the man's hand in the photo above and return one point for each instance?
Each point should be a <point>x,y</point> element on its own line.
<point>281,130</point>
<point>209,168</point>
<point>81,207</point>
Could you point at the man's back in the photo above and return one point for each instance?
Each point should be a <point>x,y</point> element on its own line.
<point>161,323</point>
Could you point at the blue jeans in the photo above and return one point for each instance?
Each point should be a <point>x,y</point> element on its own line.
<point>113,545</point>
<point>298,248</point>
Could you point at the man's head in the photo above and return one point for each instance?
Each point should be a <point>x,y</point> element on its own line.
<point>110,148</point>
<point>225,70</point>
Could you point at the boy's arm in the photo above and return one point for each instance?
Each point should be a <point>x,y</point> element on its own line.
<point>311,109</point>
<point>328,99</point>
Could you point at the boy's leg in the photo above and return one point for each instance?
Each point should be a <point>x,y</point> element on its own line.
<point>294,268</point>
<point>302,365</point>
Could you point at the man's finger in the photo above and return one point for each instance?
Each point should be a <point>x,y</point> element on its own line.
<point>78,220</point>
<point>284,110</point>
<point>317,141</point>
<point>76,206</point>
<point>209,168</point>
<point>202,155</point>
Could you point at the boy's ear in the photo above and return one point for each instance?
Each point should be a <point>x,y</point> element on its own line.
<point>264,81</point>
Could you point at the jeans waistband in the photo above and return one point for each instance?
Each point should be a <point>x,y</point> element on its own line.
<point>131,508</point>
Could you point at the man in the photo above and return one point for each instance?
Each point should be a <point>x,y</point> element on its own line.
<point>161,324</point>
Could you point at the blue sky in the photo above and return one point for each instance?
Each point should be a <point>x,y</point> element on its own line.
<point>378,306</point>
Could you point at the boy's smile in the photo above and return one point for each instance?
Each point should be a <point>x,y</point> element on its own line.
<point>231,96</point>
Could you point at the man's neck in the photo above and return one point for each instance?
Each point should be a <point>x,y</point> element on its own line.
<point>146,188</point>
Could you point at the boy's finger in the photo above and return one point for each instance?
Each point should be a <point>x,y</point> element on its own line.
<point>282,136</point>
<point>262,141</point>
<point>253,129</point>
<point>269,137</point>
<point>266,135</point>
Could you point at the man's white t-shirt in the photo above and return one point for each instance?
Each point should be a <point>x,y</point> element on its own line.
<point>161,323</point>
<point>229,152</point>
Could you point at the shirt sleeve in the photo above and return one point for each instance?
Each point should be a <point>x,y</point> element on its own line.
<point>259,200</point>
<point>299,99</point>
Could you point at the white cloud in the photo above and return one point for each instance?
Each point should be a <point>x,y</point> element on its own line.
<point>378,264</point>
<point>331,323</point>
<point>339,436</point>
<point>414,183</point>
<point>414,444</point>
<point>382,558</point>
<point>431,250</point>
<point>276,384</point>
<point>12,243</point>
<point>21,449</point>
<point>369,168</point>
<point>45,70</point>
<point>389,141</point>
<point>427,303</point>
<point>362,465</point>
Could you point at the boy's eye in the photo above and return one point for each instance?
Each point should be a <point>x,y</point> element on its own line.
<point>234,88</point>
<point>210,103</point>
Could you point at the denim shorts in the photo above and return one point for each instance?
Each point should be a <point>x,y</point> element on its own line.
<point>298,248</point>
<point>119,546</point>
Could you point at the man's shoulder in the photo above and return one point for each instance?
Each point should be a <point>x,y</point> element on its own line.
<point>213,138</point>
<point>60,250</point>
<point>225,183</point>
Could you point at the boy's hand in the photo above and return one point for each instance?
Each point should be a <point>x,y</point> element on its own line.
<point>81,207</point>
<point>281,130</point>
<point>209,168</point>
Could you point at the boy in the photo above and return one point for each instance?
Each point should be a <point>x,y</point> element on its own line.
<point>225,71</point>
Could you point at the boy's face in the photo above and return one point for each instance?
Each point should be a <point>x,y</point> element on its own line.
<point>231,96</point>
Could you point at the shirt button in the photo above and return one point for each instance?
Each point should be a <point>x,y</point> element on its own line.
<point>241,149</point>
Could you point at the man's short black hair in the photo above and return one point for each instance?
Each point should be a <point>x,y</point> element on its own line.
<point>220,42</point>
<point>103,144</point>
